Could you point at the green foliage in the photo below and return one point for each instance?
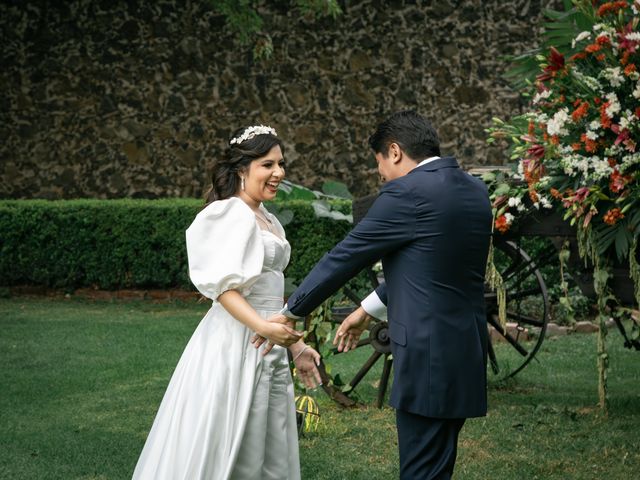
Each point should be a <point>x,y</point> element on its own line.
<point>559,32</point>
<point>246,23</point>
<point>112,244</point>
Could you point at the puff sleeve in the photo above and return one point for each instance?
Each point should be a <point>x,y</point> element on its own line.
<point>224,248</point>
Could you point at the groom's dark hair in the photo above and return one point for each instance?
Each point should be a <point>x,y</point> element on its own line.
<point>414,133</point>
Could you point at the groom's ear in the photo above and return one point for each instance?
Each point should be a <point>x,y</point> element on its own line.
<point>395,153</point>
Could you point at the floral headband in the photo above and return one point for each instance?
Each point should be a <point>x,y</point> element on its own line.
<point>252,132</point>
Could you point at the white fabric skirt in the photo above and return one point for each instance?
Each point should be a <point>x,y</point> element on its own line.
<point>228,412</point>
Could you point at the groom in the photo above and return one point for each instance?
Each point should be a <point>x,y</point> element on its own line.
<point>430,225</point>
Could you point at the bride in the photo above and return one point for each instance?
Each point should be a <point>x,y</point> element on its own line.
<point>228,412</point>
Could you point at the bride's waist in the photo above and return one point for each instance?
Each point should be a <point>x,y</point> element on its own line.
<point>265,302</point>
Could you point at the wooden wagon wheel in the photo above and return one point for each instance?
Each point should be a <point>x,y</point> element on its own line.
<point>377,341</point>
<point>527,309</point>
<point>527,312</point>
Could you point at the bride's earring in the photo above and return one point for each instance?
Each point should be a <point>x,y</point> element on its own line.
<point>242,183</point>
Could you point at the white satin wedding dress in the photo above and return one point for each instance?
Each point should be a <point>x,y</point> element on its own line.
<point>228,412</point>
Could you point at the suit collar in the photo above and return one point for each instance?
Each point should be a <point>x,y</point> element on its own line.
<point>444,162</point>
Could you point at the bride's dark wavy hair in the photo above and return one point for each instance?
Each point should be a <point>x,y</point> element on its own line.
<point>225,177</point>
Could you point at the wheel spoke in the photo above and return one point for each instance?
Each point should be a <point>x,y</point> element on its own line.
<point>351,295</point>
<point>365,369</point>
<point>523,293</point>
<point>514,343</point>
<point>361,343</point>
<point>384,380</point>
<point>525,319</point>
<point>493,361</point>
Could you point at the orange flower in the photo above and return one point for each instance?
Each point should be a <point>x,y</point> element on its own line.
<point>581,111</point>
<point>592,48</point>
<point>533,195</point>
<point>590,146</point>
<point>603,40</point>
<point>578,56</point>
<point>629,69</point>
<point>555,140</point>
<point>612,216</point>
<point>501,224</point>
<point>604,118</point>
<point>625,57</point>
<point>610,8</point>
<point>600,57</point>
<point>531,130</point>
<point>576,146</point>
<point>555,193</point>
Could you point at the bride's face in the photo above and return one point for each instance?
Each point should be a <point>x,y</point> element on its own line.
<point>263,176</point>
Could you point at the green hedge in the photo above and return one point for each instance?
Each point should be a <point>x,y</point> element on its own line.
<point>113,244</point>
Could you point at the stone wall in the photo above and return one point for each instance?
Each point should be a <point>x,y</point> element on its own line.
<point>105,98</point>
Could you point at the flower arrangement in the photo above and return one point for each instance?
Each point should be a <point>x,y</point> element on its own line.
<point>578,146</point>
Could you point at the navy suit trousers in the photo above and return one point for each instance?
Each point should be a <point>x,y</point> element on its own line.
<point>428,446</point>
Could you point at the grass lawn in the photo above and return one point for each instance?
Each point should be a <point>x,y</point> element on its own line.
<point>80,383</point>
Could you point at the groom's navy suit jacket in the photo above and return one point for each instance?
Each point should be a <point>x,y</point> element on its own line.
<point>431,228</point>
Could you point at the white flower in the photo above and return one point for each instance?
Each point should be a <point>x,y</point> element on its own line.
<point>545,202</point>
<point>633,36</point>
<point>636,92</point>
<point>614,75</point>
<point>591,135</point>
<point>509,218</point>
<point>581,36</point>
<point>590,82</point>
<point>557,123</point>
<point>521,207</point>
<point>627,119</point>
<point>541,96</point>
<point>614,105</point>
<point>628,161</point>
<point>514,201</point>
<point>594,125</point>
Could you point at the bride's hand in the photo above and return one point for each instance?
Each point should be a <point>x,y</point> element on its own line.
<point>277,333</point>
<point>306,360</point>
<point>259,338</point>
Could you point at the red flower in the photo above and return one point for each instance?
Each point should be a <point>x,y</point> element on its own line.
<point>581,194</point>
<point>617,181</point>
<point>536,151</point>
<point>629,46</point>
<point>612,216</point>
<point>610,8</point>
<point>629,69</point>
<point>556,63</point>
<point>592,48</point>
<point>624,137</point>
<point>501,224</point>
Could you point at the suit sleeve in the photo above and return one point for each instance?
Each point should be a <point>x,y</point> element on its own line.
<point>389,224</point>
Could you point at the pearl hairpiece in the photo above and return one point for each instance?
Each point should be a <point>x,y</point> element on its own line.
<point>252,132</point>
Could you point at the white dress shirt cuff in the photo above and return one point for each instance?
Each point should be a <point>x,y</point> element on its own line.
<point>285,311</point>
<point>374,306</point>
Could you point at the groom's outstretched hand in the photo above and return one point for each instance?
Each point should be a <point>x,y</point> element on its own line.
<point>352,327</point>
